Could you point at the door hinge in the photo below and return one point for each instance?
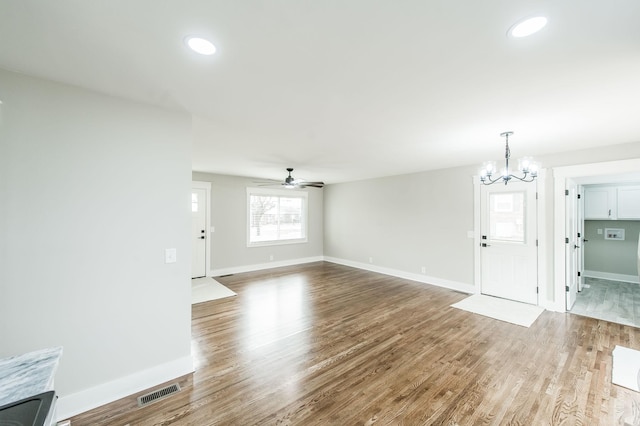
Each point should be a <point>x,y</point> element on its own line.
<point>536,243</point>
<point>537,290</point>
<point>536,195</point>
<point>579,196</point>
<point>566,192</point>
<point>579,274</point>
<point>566,240</point>
<point>566,288</point>
<point>578,235</point>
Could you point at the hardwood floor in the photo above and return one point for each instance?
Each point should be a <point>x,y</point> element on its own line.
<point>325,344</point>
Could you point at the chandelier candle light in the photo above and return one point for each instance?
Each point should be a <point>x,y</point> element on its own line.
<point>526,166</point>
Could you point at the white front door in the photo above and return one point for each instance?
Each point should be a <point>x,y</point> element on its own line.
<point>198,233</point>
<point>572,243</point>
<point>509,252</point>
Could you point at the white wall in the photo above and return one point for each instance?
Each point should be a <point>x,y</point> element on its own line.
<point>228,244</point>
<point>405,223</point>
<point>611,256</point>
<point>92,190</point>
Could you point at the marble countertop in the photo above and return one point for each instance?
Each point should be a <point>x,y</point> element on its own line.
<point>22,376</point>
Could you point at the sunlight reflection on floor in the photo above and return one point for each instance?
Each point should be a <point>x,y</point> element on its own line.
<point>275,310</point>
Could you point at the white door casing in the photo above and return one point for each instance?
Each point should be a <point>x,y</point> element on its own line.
<point>572,243</point>
<point>508,257</point>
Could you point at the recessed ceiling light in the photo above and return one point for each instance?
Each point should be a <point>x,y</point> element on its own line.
<point>200,45</point>
<point>528,26</point>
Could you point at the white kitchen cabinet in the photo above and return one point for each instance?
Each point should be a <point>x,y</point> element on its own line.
<point>600,202</point>
<point>620,202</point>
<point>628,202</point>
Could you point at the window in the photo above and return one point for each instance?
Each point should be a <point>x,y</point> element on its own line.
<point>276,216</point>
<point>507,216</point>
<point>194,202</point>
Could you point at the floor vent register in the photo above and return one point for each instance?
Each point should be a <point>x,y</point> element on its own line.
<point>157,395</point>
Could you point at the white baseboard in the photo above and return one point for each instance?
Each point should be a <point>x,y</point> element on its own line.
<point>452,285</point>
<point>612,276</point>
<point>261,266</point>
<point>558,306</point>
<point>88,399</point>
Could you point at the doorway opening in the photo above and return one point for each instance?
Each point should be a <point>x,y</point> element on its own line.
<point>592,251</point>
<point>607,239</point>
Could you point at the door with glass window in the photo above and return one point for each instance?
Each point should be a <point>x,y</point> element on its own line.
<point>198,232</point>
<point>509,242</point>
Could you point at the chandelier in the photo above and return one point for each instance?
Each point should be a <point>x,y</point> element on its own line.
<point>526,167</point>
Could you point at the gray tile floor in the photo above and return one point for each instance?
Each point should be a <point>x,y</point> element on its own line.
<point>613,301</point>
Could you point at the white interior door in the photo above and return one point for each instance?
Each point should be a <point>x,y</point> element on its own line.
<point>572,243</point>
<point>198,233</point>
<point>509,255</point>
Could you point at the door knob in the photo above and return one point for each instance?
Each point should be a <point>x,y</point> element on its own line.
<point>576,246</point>
<point>202,238</point>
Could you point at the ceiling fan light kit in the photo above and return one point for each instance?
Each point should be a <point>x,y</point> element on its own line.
<point>289,182</point>
<point>526,167</point>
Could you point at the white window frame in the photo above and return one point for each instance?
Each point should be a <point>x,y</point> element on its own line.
<point>284,193</point>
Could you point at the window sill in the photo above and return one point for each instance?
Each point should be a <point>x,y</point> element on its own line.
<point>277,243</point>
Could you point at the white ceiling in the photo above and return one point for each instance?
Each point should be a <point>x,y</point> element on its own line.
<point>346,90</point>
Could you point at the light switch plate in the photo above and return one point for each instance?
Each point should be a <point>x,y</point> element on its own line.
<point>170,255</point>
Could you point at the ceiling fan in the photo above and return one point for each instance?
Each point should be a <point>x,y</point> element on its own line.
<point>290,182</point>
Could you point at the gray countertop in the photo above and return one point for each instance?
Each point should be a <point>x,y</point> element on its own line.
<point>22,376</point>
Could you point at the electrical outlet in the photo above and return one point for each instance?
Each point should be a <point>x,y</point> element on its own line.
<point>371,260</point>
<point>599,231</point>
<point>424,269</point>
<point>270,257</point>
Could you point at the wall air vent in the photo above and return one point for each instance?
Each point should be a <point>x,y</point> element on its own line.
<point>158,395</point>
